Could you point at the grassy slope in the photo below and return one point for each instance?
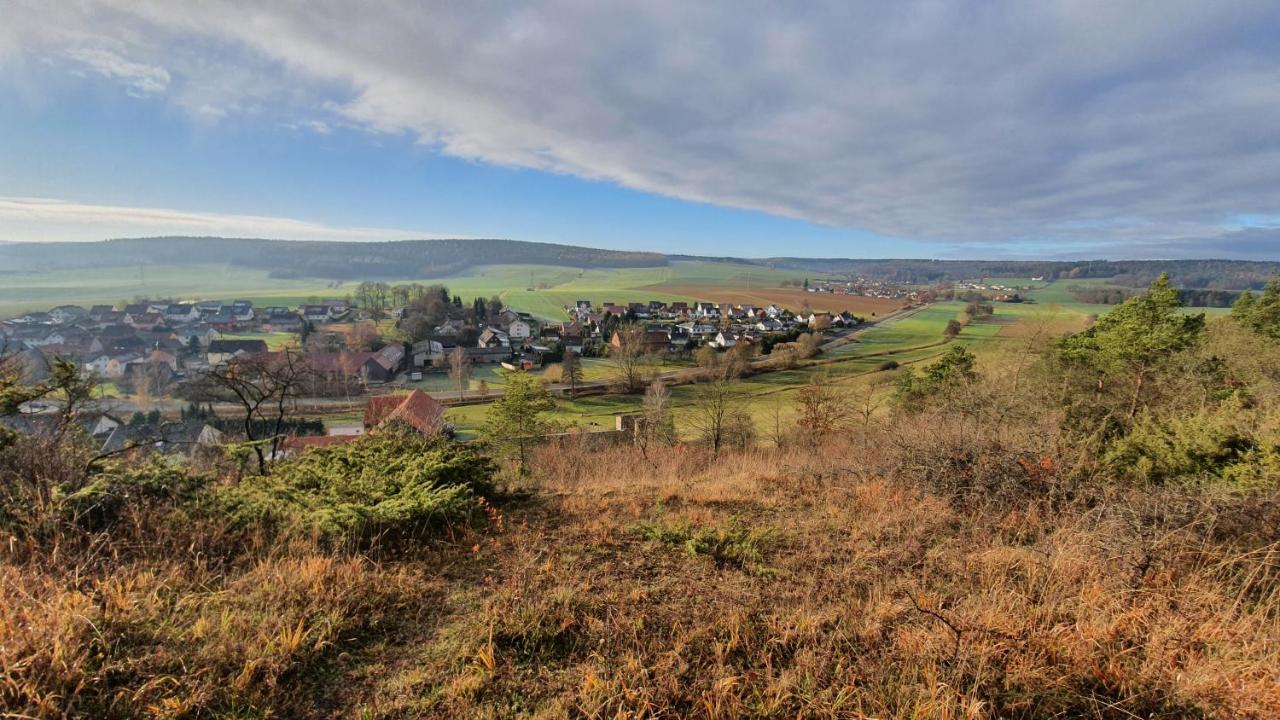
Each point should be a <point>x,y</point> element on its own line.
<point>540,289</point>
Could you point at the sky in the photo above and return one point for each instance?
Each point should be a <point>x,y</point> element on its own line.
<point>916,128</point>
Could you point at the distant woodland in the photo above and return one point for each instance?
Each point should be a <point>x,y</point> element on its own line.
<point>441,258</point>
<point>1192,274</point>
<point>339,260</point>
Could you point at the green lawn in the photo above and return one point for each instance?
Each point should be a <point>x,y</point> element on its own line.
<point>274,340</point>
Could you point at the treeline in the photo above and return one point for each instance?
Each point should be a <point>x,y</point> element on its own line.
<point>338,260</point>
<point>1191,274</point>
<point>1114,295</point>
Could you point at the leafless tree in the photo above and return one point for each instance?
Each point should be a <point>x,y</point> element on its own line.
<point>821,410</point>
<point>657,427</point>
<point>571,370</point>
<point>460,370</point>
<point>717,416</point>
<point>267,388</point>
<point>629,357</point>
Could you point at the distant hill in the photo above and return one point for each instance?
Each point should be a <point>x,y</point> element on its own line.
<point>442,258</point>
<point>339,260</point>
<point>1197,274</point>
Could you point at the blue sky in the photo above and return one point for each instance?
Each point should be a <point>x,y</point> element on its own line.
<point>94,144</point>
<point>1002,129</point>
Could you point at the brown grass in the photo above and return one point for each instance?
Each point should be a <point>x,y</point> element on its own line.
<point>951,564</point>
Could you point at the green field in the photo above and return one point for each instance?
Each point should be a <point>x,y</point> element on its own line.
<point>914,339</point>
<point>539,289</point>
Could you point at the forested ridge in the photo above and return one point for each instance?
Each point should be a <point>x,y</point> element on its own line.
<point>441,258</point>
<point>341,260</point>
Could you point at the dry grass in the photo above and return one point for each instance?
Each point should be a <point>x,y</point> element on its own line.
<point>950,564</point>
<point>865,597</point>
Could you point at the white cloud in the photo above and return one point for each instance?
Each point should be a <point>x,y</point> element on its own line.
<point>140,78</point>
<point>1084,121</point>
<point>44,219</point>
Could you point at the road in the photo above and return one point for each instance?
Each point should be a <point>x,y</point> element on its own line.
<point>356,404</point>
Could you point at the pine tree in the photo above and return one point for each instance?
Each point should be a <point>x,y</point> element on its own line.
<point>1135,339</point>
<point>515,420</point>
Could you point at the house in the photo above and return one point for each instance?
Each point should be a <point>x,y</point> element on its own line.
<point>54,337</point>
<point>288,322</point>
<point>725,339</point>
<point>181,313</point>
<point>394,356</point>
<point>242,310</point>
<point>317,313</point>
<point>654,341</point>
<point>117,366</point>
<point>68,313</point>
<point>162,356</point>
<point>680,338</point>
<point>484,355</point>
<point>158,374</point>
<point>519,329</point>
<point>220,351</point>
<point>202,334</point>
<point>145,320</point>
<point>428,352</point>
<point>770,325</point>
<point>415,410</point>
<point>706,310</point>
<point>773,311</point>
<point>493,338</point>
<point>98,365</point>
<point>450,327</point>
<point>369,367</point>
<point>97,311</point>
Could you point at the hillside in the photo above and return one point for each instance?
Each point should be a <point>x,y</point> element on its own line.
<point>285,259</point>
<point>334,260</point>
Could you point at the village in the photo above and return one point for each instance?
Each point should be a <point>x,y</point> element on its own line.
<point>146,355</point>
<point>158,343</point>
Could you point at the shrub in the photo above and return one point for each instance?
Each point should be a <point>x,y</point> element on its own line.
<point>122,485</point>
<point>1205,447</point>
<point>392,485</point>
<point>733,547</point>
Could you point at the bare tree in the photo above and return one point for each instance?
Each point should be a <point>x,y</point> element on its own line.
<point>267,388</point>
<point>821,410</point>
<point>571,370</point>
<point>657,426</point>
<point>460,370</point>
<point>718,418</point>
<point>629,357</point>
